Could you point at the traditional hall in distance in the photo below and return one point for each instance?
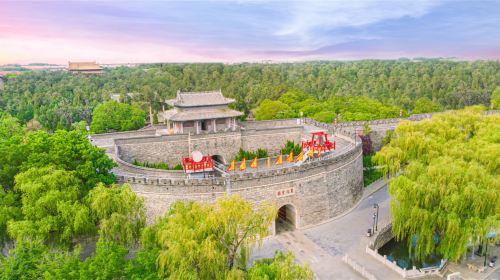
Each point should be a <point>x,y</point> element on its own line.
<point>199,112</point>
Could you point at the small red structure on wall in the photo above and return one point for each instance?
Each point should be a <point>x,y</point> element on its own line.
<point>197,162</point>
<point>319,141</point>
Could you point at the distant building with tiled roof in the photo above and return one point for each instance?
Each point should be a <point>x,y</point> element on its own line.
<point>85,67</point>
<point>198,112</point>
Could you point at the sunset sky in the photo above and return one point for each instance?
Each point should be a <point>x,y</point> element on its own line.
<point>233,31</point>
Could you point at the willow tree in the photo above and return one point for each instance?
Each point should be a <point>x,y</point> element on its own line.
<point>119,211</point>
<point>448,194</point>
<point>200,241</point>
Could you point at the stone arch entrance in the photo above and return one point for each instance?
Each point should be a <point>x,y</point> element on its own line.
<point>287,219</point>
<point>219,158</point>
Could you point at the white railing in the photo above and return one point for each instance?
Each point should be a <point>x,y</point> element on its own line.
<point>221,168</point>
<point>358,268</point>
<point>414,272</point>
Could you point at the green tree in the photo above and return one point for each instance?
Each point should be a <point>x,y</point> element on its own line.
<point>32,259</point>
<point>281,266</point>
<point>207,241</point>
<point>10,209</point>
<point>51,206</point>
<point>107,263</point>
<point>11,138</point>
<point>495,99</point>
<point>68,150</point>
<point>114,116</point>
<point>9,126</point>
<point>240,226</point>
<point>120,212</point>
<point>144,265</point>
<point>188,246</point>
<point>425,105</point>
<point>449,187</point>
<point>268,110</point>
<point>23,261</point>
<point>56,264</point>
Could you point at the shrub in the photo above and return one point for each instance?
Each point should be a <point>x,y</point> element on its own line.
<point>260,153</point>
<point>291,146</point>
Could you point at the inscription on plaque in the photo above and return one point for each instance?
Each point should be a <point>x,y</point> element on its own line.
<point>285,192</point>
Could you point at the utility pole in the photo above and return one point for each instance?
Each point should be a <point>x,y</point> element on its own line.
<point>373,226</point>
<point>375,206</point>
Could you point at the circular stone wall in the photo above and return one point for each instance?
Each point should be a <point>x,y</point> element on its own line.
<point>319,190</point>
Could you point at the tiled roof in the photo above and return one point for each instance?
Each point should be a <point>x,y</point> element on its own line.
<point>202,114</point>
<point>83,66</point>
<point>197,99</point>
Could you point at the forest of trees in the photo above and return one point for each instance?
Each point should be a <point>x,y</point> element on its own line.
<point>448,192</point>
<point>58,99</point>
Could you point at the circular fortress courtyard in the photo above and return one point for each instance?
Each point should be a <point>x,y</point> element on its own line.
<point>308,188</point>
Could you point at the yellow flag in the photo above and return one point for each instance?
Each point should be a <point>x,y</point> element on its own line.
<point>311,152</point>
<point>243,164</point>
<point>253,164</point>
<point>289,158</point>
<point>231,166</point>
<point>279,160</point>
<point>300,157</point>
<point>268,162</point>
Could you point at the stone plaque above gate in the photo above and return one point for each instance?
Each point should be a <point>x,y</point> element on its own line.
<point>285,192</point>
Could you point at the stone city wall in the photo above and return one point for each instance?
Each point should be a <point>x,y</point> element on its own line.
<point>107,140</point>
<point>321,189</point>
<point>154,149</point>
<point>172,148</point>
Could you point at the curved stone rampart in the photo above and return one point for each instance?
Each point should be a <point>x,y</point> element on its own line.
<point>319,189</point>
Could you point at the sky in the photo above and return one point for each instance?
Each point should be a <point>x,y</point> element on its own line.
<point>235,31</point>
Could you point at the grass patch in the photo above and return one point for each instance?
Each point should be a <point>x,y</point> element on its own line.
<point>159,165</point>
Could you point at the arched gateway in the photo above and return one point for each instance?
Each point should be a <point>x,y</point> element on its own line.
<point>286,220</point>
